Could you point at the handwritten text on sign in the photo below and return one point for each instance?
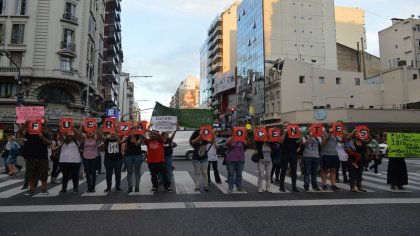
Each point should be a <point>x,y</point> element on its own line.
<point>24,114</point>
<point>403,145</point>
<point>164,123</point>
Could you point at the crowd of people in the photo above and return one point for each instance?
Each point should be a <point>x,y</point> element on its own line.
<point>77,154</point>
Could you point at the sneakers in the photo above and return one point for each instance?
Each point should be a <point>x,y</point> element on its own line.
<point>230,190</point>
<point>107,190</point>
<point>24,187</point>
<point>62,192</point>
<point>282,189</point>
<point>354,190</point>
<point>75,191</point>
<point>361,189</point>
<point>307,190</point>
<point>324,188</point>
<point>239,189</point>
<point>260,190</point>
<point>119,190</point>
<point>153,190</point>
<point>168,190</point>
<point>44,192</point>
<point>296,190</point>
<point>30,193</point>
<point>401,188</point>
<point>136,189</point>
<point>206,189</point>
<point>335,188</point>
<point>392,187</point>
<point>130,189</point>
<point>196,189</point>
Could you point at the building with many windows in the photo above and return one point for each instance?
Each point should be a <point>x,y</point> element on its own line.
<point>60,48</point>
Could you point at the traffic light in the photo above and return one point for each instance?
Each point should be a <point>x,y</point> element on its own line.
<point>20,97</point>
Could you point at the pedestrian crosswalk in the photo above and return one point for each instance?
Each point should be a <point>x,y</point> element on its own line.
<point>183,184</point>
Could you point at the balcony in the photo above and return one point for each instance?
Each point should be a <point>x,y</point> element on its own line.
<point>113,4</point>
<point>69,17</point>
<point>70,72</point>
<point>68,46</point>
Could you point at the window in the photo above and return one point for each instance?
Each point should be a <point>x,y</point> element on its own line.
<point>2,7</point>
<point>17,58</point>
<point>65,63</point>
<point>20,7</point>
<point>68,37</point>
<point>371,107</point>
<point>273,107</point>
<point>321,80</point>
<point>338,81</point>
<point>18,31</point>
<point>7,90</point>
<point>55,95</point>
<point>1,33</point>
<point>418,28</point>
<point>414,76</point>
<point>351,106</point>
<point>357,81</point>
<point>301,79</point>
<point>418,42</point>
<point>70,12</point>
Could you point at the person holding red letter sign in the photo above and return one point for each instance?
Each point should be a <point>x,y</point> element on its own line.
<point>289,139</point>
<point>330,161</point>
<point>235,160</point>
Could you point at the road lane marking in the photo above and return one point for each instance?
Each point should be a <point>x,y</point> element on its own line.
<point>184,183</point>
<point>145,185</point>
<point>254,181</point>
<point>9,182</point>
<point>12,192</point>
<point>384,178</point>
<point>204,205</point>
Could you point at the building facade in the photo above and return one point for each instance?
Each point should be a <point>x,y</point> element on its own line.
<point>187,95</point>
<point>126,103</point>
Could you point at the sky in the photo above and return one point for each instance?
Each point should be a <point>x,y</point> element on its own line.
<point>162,38</point>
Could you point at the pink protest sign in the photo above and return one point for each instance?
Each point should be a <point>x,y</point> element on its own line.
<point>24,114</point>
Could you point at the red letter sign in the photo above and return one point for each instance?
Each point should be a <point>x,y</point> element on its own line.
<point>362,131</point>
<point>89,125</point>
<point>34,127</point>
<point>141,127</point>
<point>66,125</point>
<point>260,134</point>
<point>293,131</point>
<point>124,128</point>
<point>316,130</point>
<point>338,129</point>
<point>239,134</point>
<point>274,134</point>
<point>206,132</point>
<point>109,125</point>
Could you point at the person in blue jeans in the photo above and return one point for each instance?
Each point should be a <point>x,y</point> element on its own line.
<point>311,160</point>
<point>133,160</point>
<point>168,145</point>
<point>235,162</point>
<point>113,159</point>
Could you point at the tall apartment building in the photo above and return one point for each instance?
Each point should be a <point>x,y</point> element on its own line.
<point>399,47</point>
<point>126,102</point>
<point>218,55</point>
<point>113,54</point>
<point>58,48</point>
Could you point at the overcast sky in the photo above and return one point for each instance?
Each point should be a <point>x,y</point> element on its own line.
<point>162,38</point>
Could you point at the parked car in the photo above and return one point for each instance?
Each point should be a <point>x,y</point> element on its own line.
<point>183,148</point>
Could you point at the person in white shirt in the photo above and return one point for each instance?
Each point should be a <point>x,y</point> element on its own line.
<point>212,157</point>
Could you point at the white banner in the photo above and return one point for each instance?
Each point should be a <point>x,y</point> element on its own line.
<point>164,123</point>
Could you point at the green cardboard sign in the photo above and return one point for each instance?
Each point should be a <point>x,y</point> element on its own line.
<point>403,145</point>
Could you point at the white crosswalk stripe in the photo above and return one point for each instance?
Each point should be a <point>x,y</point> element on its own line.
<point>224,186</point>
<point>145,185</point>
<point>254,181</point>
<point>184,183</point>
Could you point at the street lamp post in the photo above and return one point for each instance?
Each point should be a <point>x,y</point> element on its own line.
<point>19,95</point>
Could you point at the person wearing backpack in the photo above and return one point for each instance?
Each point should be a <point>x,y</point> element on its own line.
<point>200,160</point>
<point>311,161</point>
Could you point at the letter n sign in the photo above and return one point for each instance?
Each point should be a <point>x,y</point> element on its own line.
<point>274,134</point>
<point>293,131</point>
<point>108,125</point>
<point>90,125</point>
<point>362,131</point>
<point>260,134</point>
<point>124,128</point>
<point>316,130</point>
<point>141,127</point>
<point>338,129</point>
<point>206,132</point>
<point>66,125</point>
<point>34,127</point>
<point>239,134</point>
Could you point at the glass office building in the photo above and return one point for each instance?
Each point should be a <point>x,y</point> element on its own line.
<point>250,52</point>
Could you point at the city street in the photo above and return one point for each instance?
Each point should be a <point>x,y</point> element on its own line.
<point>380,211</point>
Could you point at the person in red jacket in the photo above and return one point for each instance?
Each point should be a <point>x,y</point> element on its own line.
<point>156,159</point>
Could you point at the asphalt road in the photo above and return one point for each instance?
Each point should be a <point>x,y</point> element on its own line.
<point>379,212</point>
